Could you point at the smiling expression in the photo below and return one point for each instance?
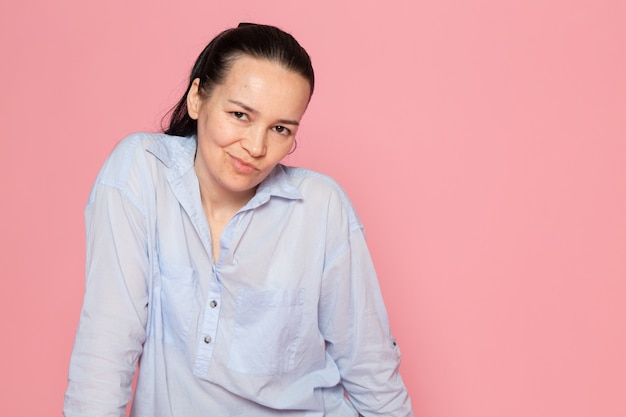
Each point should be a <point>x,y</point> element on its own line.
<point>247,124</point>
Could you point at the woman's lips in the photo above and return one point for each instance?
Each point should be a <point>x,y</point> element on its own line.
<point>242,166</point>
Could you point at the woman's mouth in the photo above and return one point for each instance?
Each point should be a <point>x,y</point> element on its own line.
<point>242,166</point>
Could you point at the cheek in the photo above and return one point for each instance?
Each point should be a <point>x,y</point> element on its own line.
<point>218,133</point>
<point>280,149</point>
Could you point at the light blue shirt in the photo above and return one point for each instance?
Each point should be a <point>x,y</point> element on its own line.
<point>288,321</point>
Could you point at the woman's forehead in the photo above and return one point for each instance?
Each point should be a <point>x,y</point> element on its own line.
<point>264,85</point>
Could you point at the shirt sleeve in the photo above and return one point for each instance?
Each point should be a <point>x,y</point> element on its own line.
<point>354,323</point>
<point>113,319</point>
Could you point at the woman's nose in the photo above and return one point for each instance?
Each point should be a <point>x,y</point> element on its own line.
<point>254,142</point>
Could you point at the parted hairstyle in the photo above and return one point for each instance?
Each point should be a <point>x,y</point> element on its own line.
<point>213,64</point>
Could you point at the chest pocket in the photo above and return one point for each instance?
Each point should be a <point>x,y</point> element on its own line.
<point>178,298</point>
<point>267,331</point>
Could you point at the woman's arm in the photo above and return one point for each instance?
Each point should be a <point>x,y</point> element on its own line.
<point>113,319</point>
<point>354,322</point>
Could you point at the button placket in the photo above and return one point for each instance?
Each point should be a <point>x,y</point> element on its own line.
<point>206,341</point>
<point>213,304</point>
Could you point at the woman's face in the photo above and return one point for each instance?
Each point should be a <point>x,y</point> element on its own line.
<point>247,125</point>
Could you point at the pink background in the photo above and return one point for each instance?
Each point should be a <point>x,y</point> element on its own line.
<point>483,143</point>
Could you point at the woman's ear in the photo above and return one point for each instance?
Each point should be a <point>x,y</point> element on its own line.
<point>194,100</point>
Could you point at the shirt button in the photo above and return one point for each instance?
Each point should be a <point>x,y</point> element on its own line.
<point>207,339</point>
<point>213,303</point>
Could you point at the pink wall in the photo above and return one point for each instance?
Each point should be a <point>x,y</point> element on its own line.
<point>483,142</point>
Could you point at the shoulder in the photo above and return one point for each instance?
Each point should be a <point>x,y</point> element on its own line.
<point>137,141</point>
<point>133,163</point>
<point>308,181</point>
<point>141,144</point>
<point>126,154</point>
<point>137,151</point>
<point>324,193</point>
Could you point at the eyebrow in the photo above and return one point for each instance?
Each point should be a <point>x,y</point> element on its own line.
<point>253,111</point>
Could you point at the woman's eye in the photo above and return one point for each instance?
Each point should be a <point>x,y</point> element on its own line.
<point>282,130</point>
<point>239,115</point>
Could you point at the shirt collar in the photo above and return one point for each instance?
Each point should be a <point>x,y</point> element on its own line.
<point>178,153</point>
<point>277,184</point>
<point>175,152</point>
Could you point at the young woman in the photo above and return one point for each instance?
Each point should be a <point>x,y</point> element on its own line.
<point>242,286</point>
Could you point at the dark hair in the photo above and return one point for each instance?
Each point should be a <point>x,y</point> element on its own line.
<point>211,67</point>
